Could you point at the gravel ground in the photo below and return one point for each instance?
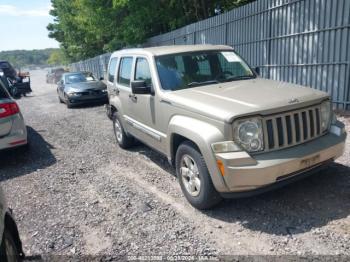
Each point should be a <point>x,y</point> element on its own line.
<point>76,193</point>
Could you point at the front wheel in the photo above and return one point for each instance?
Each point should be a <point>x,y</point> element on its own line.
<point>8,250</point>
<point>123,140</point>
<point>194,178</point>
<point>68,103</point>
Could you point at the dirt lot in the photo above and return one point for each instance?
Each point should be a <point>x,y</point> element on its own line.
<point>76,193</point>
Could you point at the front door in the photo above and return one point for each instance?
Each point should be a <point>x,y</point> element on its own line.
<point>143,108</point>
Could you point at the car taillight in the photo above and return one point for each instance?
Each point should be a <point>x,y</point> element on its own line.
<point>8,109</point>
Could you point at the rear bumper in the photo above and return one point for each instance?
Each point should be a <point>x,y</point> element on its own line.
<point>250,175</point>
<point>17,136</point>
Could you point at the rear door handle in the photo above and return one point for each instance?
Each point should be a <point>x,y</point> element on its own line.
<point>133,97</point>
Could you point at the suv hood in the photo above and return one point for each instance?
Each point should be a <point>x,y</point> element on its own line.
<point>227,101</point>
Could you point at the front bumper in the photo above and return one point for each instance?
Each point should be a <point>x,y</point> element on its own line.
<point>88,99</point>
<point>269,170</point>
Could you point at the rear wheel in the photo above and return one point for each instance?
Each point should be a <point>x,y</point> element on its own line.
<point>194,178</point>
<point>8,250</point>
<point>124,141</point>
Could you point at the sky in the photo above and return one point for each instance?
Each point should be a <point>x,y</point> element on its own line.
<point>23,25</point>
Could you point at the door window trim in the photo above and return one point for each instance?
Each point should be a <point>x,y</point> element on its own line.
<point>116,67</point>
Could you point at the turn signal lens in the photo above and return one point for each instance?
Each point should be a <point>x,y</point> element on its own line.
<point>221,167</point>
<point>225,147</point>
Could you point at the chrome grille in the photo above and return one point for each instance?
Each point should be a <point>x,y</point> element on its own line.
<point>291,128</point>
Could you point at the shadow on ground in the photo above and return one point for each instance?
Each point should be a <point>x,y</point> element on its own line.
<point>296,208</point>
<point>21,161</point>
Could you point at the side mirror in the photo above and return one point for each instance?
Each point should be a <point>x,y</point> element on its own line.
<point>101,78</point>
<point>257,70</point>
<point>140,88</point>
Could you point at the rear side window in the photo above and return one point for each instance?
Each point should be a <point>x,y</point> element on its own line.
<point>125,71</point>
<point>111,69</point>
<point>3,93</point>
<point>142,71</point>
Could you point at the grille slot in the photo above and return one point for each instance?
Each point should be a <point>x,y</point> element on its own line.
<point>291,128</point>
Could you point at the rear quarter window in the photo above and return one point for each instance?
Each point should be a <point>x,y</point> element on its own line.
<point>111,69</point>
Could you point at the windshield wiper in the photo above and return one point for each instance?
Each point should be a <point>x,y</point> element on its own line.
<point>192,84</point>
<point>236,78</point>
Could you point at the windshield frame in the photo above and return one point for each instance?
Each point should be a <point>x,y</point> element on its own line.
<point>202,52</point>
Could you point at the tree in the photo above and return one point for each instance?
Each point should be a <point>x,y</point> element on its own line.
<point>86,28</point>
<point>25,58</point>
<point>57,58</point>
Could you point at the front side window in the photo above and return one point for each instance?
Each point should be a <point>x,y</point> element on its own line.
<point>125,67</point>
<point>187,70</point>
<point>142,71</point>
<point>111,69</point>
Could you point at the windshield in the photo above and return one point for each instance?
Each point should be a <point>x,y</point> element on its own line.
<point>78,78</point>
<point>181,71</point>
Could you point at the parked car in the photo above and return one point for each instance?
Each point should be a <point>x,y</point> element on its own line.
<point>8,85</point>
<point>13,131</point>
<point>80,88</point>
<point>228,132</point>
<point>20,81</point>
<point>54,75</point>
<point>10,245</point>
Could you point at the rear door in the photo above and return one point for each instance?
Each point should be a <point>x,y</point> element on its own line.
<point>5,122</point>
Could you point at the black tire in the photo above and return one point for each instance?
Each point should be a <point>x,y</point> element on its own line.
<point>9,251</point>
<point>207,197</point>
<point>124,140</point>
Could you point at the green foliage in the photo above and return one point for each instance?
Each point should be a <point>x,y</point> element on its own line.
<point>57,58</point>
<point>86,28</point>
<point>25,58</point>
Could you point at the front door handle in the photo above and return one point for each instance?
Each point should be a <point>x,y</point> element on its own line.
<point>133,97</point>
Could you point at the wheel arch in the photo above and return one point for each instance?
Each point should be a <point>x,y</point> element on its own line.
<point>200,133</point>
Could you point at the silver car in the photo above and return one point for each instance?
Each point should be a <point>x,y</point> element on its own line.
<point>13,131</point>
<point>80,88</point>
<point>10,245</point>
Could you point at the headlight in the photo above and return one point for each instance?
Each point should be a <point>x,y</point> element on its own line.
<point>248,133</point>
<point>71,93</point>
<point>325,115</point>
<point>104,90</point>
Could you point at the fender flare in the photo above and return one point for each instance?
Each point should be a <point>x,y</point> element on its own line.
<point>203,135</point>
